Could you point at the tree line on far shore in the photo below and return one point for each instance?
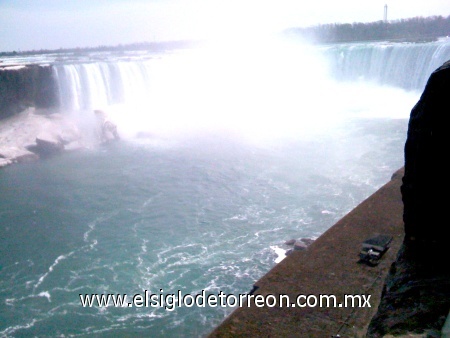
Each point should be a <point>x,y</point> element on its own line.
<point>159,46</point>
<point>412,29</point>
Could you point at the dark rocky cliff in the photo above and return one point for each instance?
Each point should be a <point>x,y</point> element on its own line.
<point>27,86</point>
<point>416,295</point>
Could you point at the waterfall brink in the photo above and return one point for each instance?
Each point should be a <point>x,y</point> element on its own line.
<point>404,65</point>
<point>86,86</point>
<point>89,85</point>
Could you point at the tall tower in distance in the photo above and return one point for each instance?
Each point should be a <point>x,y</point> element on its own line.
<point>385,13</point>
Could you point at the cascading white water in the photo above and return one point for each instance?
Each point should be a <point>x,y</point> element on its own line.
<point>405,65</point>
<point>87,86</point>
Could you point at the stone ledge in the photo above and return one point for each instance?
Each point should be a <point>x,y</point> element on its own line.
<point>329,266</point>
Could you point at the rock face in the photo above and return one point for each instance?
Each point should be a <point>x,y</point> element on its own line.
<point>26,86</point>
<point>416,295</point>
<point>10,155</point>
<point>301,244</point>
<point>290,242</point>
<point>426,153</point>
<point>48,144</point>
<point>27,136</point>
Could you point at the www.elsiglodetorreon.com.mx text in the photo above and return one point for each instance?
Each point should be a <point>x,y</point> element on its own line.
<point>170,301</point>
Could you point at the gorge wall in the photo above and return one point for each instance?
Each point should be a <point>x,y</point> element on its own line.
<point>25,86</point>
<point>416,295</point>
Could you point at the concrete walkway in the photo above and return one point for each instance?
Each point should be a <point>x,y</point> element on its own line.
<point>329,266</point>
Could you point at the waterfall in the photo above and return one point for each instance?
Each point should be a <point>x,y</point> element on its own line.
<point>85,85</point>
<point>404,65</point>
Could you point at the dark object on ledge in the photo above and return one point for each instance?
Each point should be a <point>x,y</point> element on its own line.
<point>254,288</point>
<point>374,248</point>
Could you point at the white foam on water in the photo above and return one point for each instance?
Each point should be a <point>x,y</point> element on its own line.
<point>12,329</point>
<point>260,232</point>
<point>88,232</point>
<point>50,269</point>
<point>144,245</point>
<point>280,252</point>
<point>148,315</point>
<point>45,294</point>
<point>10,301</point>
<point>93,244</point>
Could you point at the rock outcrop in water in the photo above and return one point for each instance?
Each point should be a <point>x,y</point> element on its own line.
<point>28,136</point>
<point>416,295</point>
<point>26,86</point>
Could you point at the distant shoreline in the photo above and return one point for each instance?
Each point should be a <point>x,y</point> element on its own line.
<point>161,46</point>
<point>417,29</point>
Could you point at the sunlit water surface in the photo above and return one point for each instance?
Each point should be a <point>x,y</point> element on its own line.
<point>226,160</point>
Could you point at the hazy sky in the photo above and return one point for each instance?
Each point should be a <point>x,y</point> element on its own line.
<point>36,24</point>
